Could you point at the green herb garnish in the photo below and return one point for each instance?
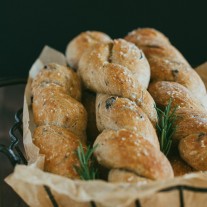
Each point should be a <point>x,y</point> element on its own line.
<point>165,126</point>
<point>87,169</point>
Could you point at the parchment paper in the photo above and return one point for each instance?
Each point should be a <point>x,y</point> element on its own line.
<point>28,181</point>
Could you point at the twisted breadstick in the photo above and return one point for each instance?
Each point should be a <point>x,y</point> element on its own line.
<point>128,142</point>
<point>60,119</point>
<point>103,70</point>
<point>115,67</point>
<point>166,62</point>
<point>191,125</point>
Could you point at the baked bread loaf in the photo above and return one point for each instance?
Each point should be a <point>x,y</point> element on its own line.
<point>59,117</point>
<point>101,72</point>
<point>166,62</point>
<point>113,67</point>
<point>191,124</point>
<point>119,73</point>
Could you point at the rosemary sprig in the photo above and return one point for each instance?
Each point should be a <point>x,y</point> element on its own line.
<point>165,126</point>
<point>87,169</point>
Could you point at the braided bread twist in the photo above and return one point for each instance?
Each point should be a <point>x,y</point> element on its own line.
<point>103,70</point>
<point>60,119</point>
<point>166,62</point>
<point>119,73</point>
<point>191,125</point>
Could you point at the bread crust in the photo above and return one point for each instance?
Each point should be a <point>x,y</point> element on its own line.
<point>81,43</point>
<point>59,147</point>
<point>60,118</point>
<point>116,113</point>
<point>154,43</point>
<point>101,75</point>
<point>162,91</point>
<point>193,149</point>
<point>166,62</point>
<point>53,107</point>
<point>124,149</point>
<point>129,56</point>
<point>190,124</point>
<point>119,175</point>
<point>60,75</point>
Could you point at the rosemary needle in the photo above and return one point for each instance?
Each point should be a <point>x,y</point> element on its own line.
<point>165,126</point>
<point>86,170</point>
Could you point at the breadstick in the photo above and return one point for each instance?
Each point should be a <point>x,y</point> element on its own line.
<point>191,124</point>
<point>101,75</point>
<point>59,117</point>
<point>166,62</point>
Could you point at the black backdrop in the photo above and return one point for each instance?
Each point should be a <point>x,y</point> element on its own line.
<point>26,26</point>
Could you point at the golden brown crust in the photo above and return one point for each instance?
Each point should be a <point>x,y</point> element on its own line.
<point>103,76</point>
<point>59,117</point>
<point>166,62</point>
<point>123,149</point>
<point>60,75</point>
<point>193,149</point>
<point>81,43</point>
<point>147,36</point>
<point>177,72</point>
<point>45,86</point>
<point>119,175</point>
<point>192,118</point>
<point>117,53</point>
<point>154,43</point>
<point>128,55</point>
<point>51,107</point>
<point>162,91</point>
<point>58,145</point>
<point>191,123</point>
<point>117,113</point>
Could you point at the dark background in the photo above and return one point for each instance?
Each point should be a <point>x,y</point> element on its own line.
<point>26,26</point>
